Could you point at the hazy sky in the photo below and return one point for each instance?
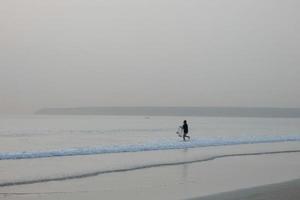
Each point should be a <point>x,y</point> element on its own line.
<point>56,53</point>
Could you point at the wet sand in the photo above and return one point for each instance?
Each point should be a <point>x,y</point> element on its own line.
<point>282,191</point>
<point>178,181</point>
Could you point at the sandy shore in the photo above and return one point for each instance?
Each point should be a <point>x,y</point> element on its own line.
<point>178,181</point>
<point>288,191</point>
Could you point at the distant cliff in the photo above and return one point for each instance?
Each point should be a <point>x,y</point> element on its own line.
<point>177,111</point>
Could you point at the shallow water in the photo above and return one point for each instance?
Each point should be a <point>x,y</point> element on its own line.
<point>41,133</point>
<point>43,148</point>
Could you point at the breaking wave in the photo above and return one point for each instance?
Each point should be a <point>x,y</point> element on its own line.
<point>159,145</point>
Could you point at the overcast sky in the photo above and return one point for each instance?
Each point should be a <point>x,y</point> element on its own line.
<point>68,53</point>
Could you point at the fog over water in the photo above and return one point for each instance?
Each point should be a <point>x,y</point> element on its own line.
<point>73,53</point>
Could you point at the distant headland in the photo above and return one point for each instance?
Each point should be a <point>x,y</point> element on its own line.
<point>177,111</point>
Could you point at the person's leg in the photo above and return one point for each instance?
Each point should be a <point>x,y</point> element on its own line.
<point>185,136</point>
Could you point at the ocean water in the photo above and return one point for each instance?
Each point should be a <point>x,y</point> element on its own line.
<point>40,148</point>
<point>42,136</point>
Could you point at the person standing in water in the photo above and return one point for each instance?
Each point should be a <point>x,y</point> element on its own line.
<point>185,128</point>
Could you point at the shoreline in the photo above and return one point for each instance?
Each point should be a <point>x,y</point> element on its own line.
<point>289,190</point>
<point>178,163</point>
<point>185,181</point>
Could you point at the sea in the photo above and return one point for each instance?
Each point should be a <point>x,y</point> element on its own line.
<point>70,146</point>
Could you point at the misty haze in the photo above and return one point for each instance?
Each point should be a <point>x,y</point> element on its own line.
<point>149,99</point>
<point>148,53</point>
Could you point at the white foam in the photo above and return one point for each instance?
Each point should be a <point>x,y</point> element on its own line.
<point>159,145</point>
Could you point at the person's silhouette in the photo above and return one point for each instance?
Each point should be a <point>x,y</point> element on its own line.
<point>185,128</point>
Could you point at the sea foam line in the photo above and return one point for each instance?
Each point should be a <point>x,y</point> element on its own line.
<point>153,146</point>
<point>138,167</point>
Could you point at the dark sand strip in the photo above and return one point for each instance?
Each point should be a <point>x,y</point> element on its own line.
<point>281,191</point>
<point>91,174</point>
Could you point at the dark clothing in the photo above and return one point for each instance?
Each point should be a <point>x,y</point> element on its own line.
<point>185,128</point>
<point>185,135</point>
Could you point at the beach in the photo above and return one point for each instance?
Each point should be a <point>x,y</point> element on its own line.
<point>121,157</point>
<point>189,179</point>
<point>149,100</point>
<point>286,190</point>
